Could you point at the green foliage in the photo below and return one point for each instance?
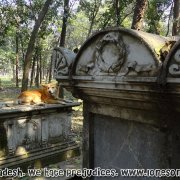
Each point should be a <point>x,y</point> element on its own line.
<point>17,20</point>
<point>107,17</point>
<point>90,7</point>
<point>6,59</point>
<point>156,16</point>
<point>76,33</point>
<point>102,13</point>
<point>85,17</point>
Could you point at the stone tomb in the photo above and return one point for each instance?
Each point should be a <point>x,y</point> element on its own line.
<point>36,136</point>
<point>131,118</point>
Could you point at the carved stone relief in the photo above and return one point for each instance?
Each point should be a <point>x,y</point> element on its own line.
<point>133,66</point>
<point>177,56</point>
<point>174,68</point>
<point>62,61</point>
<point>110,56</point>
<point>60,64</point>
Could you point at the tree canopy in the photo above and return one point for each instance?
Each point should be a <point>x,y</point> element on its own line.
<point>29,29</point>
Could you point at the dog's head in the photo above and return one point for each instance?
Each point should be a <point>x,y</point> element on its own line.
<point>50,89</point>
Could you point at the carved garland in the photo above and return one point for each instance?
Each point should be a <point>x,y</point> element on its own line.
<point>174,69</point>
<point>117,45</point>
<point>110,54</point>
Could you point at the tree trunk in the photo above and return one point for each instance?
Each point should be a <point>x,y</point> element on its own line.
<point>63,34</point>
<point>14,70</point>
<point>117,7</point>
<point>27,63</point>
<point>32,71</point>
<point>22,48</point>
<point>43,69</point>
<point>50,71</point>
<point>37,72</point>
<point>93,16</point>
<point>40,67</point>
<point>91,27</point>
<point>64,25</point>
<point>176,18</point>
<point>139,14</point>
<point>17,59</point>
<point>169,19</point>
<point>47,75</point>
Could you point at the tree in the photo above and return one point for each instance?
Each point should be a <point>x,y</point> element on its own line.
<point>115,13</point>
<point>91,9</point>
<point>13,16</point>
<point>156,16</point>
<point>28,56</point>
<point>33,68</point>
<point>17,59</point>
<point>176,18</point>
<point>64,25</point>
<point>117,8</point>
<point>77,34</point>
<point>169,19</point>
<point>139,14</point>
<point>16,23</point>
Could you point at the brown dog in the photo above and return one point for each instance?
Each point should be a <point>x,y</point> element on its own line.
<point>47,94</point>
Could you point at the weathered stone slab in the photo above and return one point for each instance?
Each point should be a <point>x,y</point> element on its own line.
<point>29,129</point>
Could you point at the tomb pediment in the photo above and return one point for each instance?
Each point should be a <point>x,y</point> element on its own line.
<point>121,53</point>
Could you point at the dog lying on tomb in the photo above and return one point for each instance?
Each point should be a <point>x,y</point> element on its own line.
<point>45,95</point>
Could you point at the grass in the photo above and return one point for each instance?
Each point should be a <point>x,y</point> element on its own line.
<point>9,90</point>
<point>6,82</point>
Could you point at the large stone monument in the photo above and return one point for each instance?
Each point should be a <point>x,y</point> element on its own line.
<point>131,119</point>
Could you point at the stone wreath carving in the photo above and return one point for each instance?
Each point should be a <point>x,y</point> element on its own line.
<point>110,54</point>
<point>174,69</point>
<point>60,64</point>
